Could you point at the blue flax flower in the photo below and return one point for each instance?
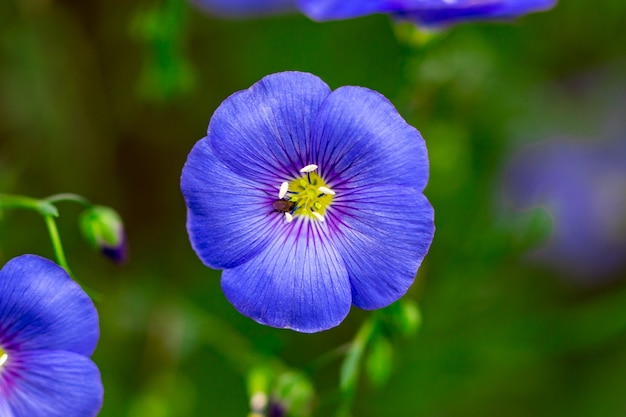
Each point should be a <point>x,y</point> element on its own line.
<point>48,330</point>
<point>426,13</point>
<point>309,200</point>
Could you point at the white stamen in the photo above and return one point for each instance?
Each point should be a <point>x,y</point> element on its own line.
<point>3,359</point>
<point>308,168</point>
<point>288,217</point>
<point>326,190</point>
<point>318,216</point>
<point>284,187</point>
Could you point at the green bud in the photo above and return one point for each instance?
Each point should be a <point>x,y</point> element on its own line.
<point>103,229</point>
<point>402,317</point>
<point>294,393</point>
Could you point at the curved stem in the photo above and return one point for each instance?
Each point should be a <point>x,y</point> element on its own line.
<point>56,198</point>
<point>43,207</point>
<point>53,231</point>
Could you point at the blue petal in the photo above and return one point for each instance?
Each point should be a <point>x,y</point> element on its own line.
<point>50,384</point>
<point>382,234</point>
<point>298,282</point>
<point>425,12</point>
<point>244,8</point>
<point>342,9</point>
<point>263,133</point>
<point>359,139</point>
<point>229,218</point>
<point>42,308</point>
<point>474,11</point>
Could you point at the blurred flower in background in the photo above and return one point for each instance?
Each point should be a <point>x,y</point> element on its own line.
<point>426,13</point>
<point>310,200</point>
<point>48,330</point>
<point>582,186</point>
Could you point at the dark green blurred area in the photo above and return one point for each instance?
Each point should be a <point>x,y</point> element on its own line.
<point>105,99</point>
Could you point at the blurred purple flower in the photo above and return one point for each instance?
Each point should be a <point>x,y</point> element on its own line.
<point>310,200</point>
<point>426,13</point>
<point>48,330</point>
<point>583,188</point>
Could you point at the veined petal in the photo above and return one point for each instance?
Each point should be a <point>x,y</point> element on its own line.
<point>50,384</point>
<point>262,133</point>
<point>382,234</point>
<point>298,282</point>
<point>243,8</point>
<point>229,218</point>
<point>361,140</point>
<point>42,308</point>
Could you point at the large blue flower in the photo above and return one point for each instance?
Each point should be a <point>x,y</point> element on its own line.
<point>310,200</point>
<point>48,330</point>
<point>427,13</point>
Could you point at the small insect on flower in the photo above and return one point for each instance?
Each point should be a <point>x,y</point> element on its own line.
<point>284,206</point>
<point>315,230</point>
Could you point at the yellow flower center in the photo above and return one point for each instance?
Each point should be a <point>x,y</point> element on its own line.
<point>307,195</point>
<point>305,192</point>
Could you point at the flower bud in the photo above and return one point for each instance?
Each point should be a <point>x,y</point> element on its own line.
<point>103,229</point>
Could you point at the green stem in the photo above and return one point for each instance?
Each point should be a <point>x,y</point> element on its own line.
<point>59,254</point>
<point>56,198</point>
<point>43,207</point>
<point>48,211</point>
<point>350,369</point>
<point>56,244</point>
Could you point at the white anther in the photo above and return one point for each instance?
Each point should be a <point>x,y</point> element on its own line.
<point>326,190</point>
<point>318,216</point>
<point>284,187</point>
<point>288,217</point>
<point>308,168</point>
<point>3,359</point>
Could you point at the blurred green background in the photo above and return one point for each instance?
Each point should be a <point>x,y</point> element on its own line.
<point>105,99</point>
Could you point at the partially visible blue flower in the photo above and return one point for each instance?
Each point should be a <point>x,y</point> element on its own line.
<point>426,13</point>
<point>242,8</point>
<point>48,330</point>
<point>583,188</point>
<point>309,200</point>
